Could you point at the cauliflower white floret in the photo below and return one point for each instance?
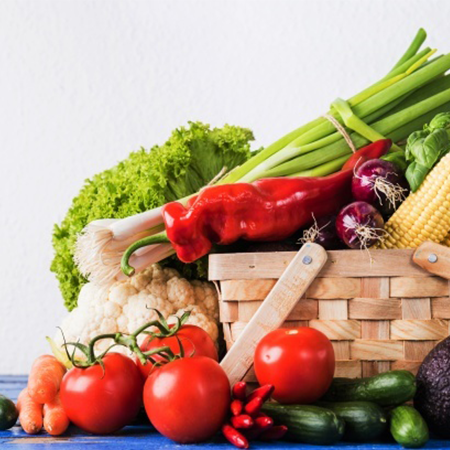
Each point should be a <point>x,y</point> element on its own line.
<point>126,305</point>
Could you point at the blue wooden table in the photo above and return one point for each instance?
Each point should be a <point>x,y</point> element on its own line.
<point>142,436</point>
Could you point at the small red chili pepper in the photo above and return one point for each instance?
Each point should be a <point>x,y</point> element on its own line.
<point>243,421</point>
<point>270,209</point>
<point>275,433</point>
<point>239,390</point>
<point>263,423</point>
<point>236,407</point>
<point>235,437</point>
<point>253,407</point>
<point>264,392</point>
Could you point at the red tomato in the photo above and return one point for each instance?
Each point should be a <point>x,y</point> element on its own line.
<point>103,401</point>
<point>194,340</point>
<point>299,362</point>
<point>187,400</point>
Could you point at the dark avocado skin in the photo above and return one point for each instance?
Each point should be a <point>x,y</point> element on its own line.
<point>432,397</point>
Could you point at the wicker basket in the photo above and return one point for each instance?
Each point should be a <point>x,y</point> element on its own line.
<point>380,310</point>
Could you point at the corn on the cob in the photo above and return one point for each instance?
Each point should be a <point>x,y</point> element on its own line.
<point>425,214</point>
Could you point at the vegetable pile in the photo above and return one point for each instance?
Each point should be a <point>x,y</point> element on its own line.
<point>409,96</point>
<point>374,171</point>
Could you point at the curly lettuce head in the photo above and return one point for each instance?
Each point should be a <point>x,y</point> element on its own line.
<point>189,160</point>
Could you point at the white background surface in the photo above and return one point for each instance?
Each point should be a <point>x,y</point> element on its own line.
<point>82,83</point>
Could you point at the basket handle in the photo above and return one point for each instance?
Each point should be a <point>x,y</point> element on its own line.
<point>274,310</point>
<point>434,258</point>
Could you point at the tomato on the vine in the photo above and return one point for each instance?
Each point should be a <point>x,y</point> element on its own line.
<point>194,340</point>
<point>299,362</point>
<point>188,399</point>
<point>102,400</point>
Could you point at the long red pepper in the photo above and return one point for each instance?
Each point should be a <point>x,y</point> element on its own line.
<point>267,210</point>
<point>235,437</point>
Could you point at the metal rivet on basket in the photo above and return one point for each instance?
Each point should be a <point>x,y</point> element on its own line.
<point>432,258</point>
<point>307,260</point>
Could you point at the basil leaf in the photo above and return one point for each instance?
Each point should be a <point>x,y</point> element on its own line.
<point>415,174</point>
<point>442,120</point>
<point>433,147</point>
<point>415,139</point>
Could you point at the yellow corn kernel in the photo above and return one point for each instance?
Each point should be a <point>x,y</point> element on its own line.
<point>425,214</point>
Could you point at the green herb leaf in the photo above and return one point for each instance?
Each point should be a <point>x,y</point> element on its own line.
<point>415,174</point>
<point>426,151</point>
<point>441,120</point>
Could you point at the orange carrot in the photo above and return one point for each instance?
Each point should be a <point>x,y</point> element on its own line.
<point>30,413</point>
<point>45,378</point>
<point>55,418</point>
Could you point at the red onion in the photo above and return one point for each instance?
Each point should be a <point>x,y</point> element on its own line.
<point>379,183</point>
<point>359,225</point>
<point>323,232</point>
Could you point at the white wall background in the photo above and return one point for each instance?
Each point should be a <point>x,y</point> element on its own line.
<point>83,82</point>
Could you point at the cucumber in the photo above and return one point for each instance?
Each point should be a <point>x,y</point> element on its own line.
<point>307,423</point>
<point>8,413</point>
<point>387,389</point>
<point>408,427</point>
<point>364,421</point>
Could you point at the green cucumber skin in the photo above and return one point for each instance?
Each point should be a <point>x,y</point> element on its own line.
<point>386,389</point>
<point>364,421</point>
<point>408,427</point>
<point>307,423</point>
<point>8,413</point>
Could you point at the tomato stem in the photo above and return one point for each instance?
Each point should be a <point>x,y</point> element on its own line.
<point>130,341</point>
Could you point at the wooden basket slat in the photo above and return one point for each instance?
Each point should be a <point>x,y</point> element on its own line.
<point>409,287</point>
<point>419,330</point>
<point>366,308</point>
<point>341,263</point>
<point>383,315</point>
<point>440,308</point>
<point>416,308</point>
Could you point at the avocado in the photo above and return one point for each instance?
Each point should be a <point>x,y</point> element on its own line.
<point>432,398</point>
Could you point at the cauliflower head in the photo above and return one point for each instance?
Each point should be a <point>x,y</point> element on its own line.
<point>126,305</point>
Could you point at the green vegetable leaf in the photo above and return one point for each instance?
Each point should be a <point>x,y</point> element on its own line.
<point>414,139</point>
<point>415,174</point>
<point>441,120</point>
<point>427,150</point>
<point>190,159</point>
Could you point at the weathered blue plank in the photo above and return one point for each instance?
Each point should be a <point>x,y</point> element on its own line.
<point>144,436</point>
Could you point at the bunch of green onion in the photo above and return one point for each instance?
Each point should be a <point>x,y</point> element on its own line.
<point>410,95</point>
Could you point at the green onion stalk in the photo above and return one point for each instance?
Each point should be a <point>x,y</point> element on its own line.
<point>410,95</point>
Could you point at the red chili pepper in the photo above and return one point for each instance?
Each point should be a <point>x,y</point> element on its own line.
<point>253,407</point>
<point>236,407</point>
<point>234,436</point>
<point>264,392</point>
<point>275,433</point>
<point>243,421</point>
<point>267,210</point>
<point>263,423</point>
<point>372,151</point>
<point>239,390</point>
